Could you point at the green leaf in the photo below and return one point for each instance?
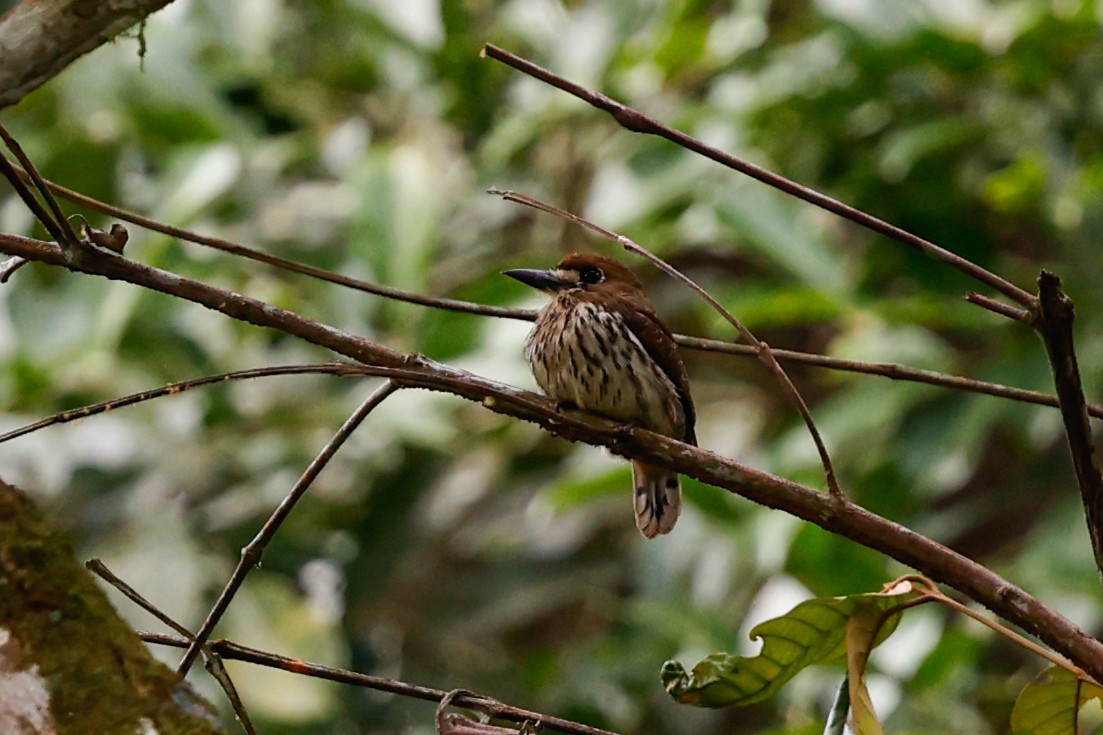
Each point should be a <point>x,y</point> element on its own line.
<point>1049,704</point>
<point>813,632</point>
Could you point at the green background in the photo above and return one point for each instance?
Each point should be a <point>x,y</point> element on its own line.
<point>451,547</point>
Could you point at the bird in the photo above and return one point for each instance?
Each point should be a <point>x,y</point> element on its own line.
<point>599,347</point>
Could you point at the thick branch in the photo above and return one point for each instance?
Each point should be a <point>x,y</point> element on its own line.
<point>1054,322</point>
<point>842,517</point>
<point>39,38</point>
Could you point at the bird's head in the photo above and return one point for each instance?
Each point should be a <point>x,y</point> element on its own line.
<point>585,271</point>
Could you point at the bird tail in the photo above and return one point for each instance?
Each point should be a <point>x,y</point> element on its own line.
<point>658,498</point>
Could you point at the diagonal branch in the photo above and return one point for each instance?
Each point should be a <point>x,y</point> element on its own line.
<point>64,234</point>
<point>28,197</point>
<point>1053,321</point>
<point>637,122</point>
<point>293,266</point>
<point>254,550</point>
<point>844,518</point>
<point>212,661</point>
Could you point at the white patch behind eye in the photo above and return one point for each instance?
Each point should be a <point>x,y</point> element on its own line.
<point>567,274</point>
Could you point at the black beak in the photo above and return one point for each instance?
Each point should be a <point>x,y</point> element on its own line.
<point>543,280</point>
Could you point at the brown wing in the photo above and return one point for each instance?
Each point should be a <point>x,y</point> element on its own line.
<point>659,342</point>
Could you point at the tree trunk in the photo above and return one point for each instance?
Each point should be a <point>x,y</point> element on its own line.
<point>39,38</point>
<point>68,662</point>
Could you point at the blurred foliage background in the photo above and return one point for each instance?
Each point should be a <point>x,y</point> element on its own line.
<point>450,547</point>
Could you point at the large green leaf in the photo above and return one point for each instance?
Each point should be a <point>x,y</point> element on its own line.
<point>1049,704</point>
<point>813,632</point>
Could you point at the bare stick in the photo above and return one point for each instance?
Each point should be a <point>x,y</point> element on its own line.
<point>327,368</point>
<point>212,661</point>
<point>97,567</point>
<point>998,307</point>
<point>236,652</point>
<point>292,266</point>
<point>844,518</point>
<point>1054,323</point>
<point>69,238</point>
<point>889,370</point>
<point>762,350</point>
<point>40,213</point>
<point>254,550</point>
<point>637,122</point>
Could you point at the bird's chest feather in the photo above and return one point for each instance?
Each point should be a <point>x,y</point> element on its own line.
<point>586,355</point>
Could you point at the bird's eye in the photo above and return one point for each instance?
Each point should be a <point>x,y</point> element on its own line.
<point>591,275</point>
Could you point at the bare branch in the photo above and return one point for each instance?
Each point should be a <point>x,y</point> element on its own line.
<point>226,246</point>
<point>637,122</point>
<point>236,652</point>
<point>97,567</point>
<point>326,368</point>
<point>212,661</point>
<point>1054,323</point>
<point>41,38</point>
<point>929,591</point>
<point>254,550</point>
<point>28,197</point>
<point>998,307</point>
<point>888,370</point>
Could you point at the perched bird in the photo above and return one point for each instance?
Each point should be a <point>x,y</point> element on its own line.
<point>598,346</point>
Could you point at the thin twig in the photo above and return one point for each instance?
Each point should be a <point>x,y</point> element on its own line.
<point>97,567</point>
<point>254,550</point>
<point>762,350</point>
<point>929,591</point>
<point>889,370</point>
<point>1054,323</point>
<point>998,307</point>
<point>75,414</point>
<point>40,213</point>
<point>636,121</point>
<point>236,652</point>
<point>69,239</point>
<point>9,267</point>
<point>211,660</point>
<point>292,266</point>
